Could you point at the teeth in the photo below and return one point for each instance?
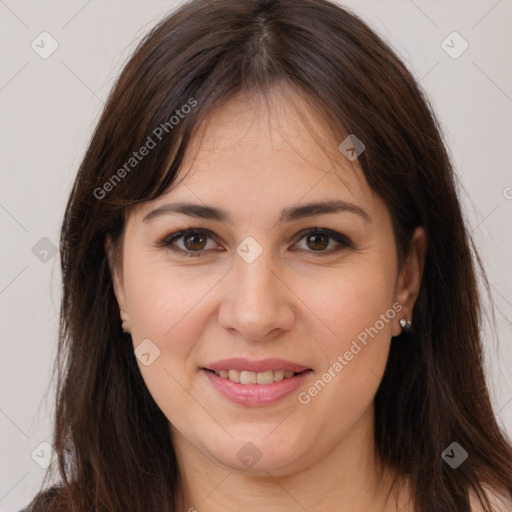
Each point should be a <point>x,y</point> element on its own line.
<point>278,375</point>
<point>265,377</point>
<point>248,377</point>
<point>244,377</point>
<point>234,375</point>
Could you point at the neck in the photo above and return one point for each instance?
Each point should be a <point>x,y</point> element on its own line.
<point>347,478</point>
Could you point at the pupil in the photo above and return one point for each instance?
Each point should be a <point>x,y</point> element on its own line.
<point>193,245</point>
<point>315,237</point>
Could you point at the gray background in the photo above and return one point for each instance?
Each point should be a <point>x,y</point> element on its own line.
<point>48,108</point>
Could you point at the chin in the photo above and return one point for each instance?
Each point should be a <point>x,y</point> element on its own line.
<point>259,456</point>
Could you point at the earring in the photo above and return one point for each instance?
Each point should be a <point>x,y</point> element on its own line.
<point>123,321</point>
<point>405,324</point>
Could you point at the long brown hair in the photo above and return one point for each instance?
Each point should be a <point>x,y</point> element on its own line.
<point>112,440</point>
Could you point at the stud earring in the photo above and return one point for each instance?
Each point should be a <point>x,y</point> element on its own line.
<point>405,324</point>
<point>124,319</point>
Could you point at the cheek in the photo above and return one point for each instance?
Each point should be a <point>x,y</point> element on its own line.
<point>161,296</point>
<point>350,299</point>
<point>167,306</point>
<point>356,309</point>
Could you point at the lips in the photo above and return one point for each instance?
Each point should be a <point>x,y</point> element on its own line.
<point>255,383</point>
<point>256,395</point>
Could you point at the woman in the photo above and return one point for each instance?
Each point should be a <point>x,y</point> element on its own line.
<point>268,206</point>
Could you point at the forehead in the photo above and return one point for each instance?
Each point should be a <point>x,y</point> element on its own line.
<point>256,153</point>
<point>257,135</point>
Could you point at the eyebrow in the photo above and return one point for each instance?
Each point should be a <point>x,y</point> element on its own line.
<point>203,211</point>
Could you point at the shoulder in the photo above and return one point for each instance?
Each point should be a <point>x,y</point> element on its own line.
<point>499,502</point>
<point>49,500</point>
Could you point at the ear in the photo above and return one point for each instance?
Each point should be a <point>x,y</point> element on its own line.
<point>409,278</point>
<point>116,271</point>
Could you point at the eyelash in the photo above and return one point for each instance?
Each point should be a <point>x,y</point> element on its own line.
<point>168,240</point>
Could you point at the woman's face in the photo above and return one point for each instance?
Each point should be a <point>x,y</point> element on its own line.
<point>250,285</point>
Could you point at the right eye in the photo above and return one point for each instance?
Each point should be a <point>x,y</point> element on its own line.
<point>193,241</point>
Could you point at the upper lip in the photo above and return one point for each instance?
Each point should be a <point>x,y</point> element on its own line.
<point>243,364</point>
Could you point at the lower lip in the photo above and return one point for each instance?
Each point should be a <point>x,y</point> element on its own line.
<point>255,395</point>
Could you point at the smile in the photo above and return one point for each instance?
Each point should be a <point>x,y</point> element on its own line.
<point>255,389</point>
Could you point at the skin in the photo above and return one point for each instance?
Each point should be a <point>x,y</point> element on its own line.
<point>293,302</point>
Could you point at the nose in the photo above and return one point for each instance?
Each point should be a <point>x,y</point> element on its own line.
<point>258,305</point>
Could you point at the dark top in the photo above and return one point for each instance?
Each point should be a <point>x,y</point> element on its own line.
<point>42,502</point>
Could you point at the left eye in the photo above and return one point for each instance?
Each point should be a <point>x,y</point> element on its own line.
<point>194,241</point>
<point>320,240</point>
